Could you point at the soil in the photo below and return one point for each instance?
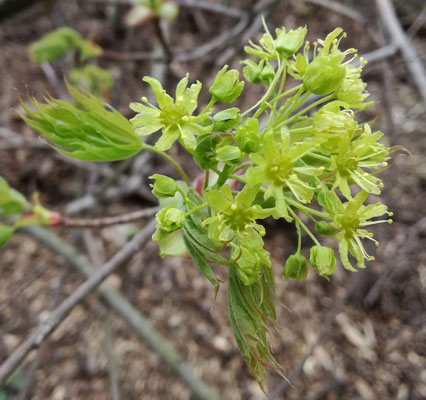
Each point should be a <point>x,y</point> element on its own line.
<point>360,336</point>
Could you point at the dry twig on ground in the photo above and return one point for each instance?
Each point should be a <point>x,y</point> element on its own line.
<point>400,39</point>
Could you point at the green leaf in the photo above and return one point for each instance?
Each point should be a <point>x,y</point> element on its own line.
<point>93,131</point>
<point>205,152</point>
<point>172,244</point>
<point>201,261</point>
<point>250,309</point>
<point>58,42</point>
<point>11,201</point>
<point>6,233</point>
<point>92,78</point>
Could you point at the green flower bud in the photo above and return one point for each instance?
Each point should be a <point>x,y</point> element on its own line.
<point>226,120</point>
<point>324,75</point>
<point>324,229</point>
<point>296,267</point>
<point>169,11</point>
<point>288,43</point>
<point>163,187</point>
<point>252,71</point>
<point>170,219</point>
<point>248,137</point>
<point>268,73</point>
<point>258,73</point>
<point>228,153</point>
<point>226,86</point>
<point>323,260</point>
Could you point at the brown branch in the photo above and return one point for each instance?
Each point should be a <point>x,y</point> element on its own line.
<point>400,39</point>
<point>212,7</point>
<point>339,8</point>
<point>107,221</point>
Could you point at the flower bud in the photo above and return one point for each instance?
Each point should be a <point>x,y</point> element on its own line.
<point>226,120</point>
<point>288,43</point>
<point>258,73</point>
<point>248,137</point>
<point>228,153</point>
<point>268,73</point>
<point>168,10</point>
<point>324,75</point>
<point>324,229</point>
<point>226,86</point>
<point>252,71</point>
<point>170,219</point>
<point>163,187</point>
<point>296,267</point>
<point>323,260</point>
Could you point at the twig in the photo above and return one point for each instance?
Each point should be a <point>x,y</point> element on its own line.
<point>199,52</point>
<point>379,54</point>
<point>141,325</point>
<point>400,39</point>
<point>45,329</point>
<point>339,8</point>
<point>212,7</point>
<point>97,258</point>
<point>417,24</point>
<point>35,364</point>
<point>162,40</point>
<point>254,21</point>
<point>107,221</point>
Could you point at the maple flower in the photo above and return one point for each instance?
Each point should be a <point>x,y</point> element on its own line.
<point>174,117</point>
<point>276,163</point>
<point>349,219</point>
<point>354,158</point>
<point>235,223</point>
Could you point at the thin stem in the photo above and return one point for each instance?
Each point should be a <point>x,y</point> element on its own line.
<point>299,238</point>
<point>107,221</point>
<point>224,175</point>
<point>240,167</point>
<point>238,178</point>
<point>208,106</point>
<point>305,129</point>
<point>297,103</point>
<point>267,94</point>
<point>285,94</point>
<point>185,199</point>
<point>199,207</point>
<point>170,160</point>
<point>307,210</point>
<point>305,228</point>
<point>305,110</point>
<point>206,180</point>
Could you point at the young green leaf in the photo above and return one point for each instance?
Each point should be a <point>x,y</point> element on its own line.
<point>200,260</point>
<point>250,309</point>
<point>93,131</point>
<point>11,201</point>
<point>6,233</point>
<point>58,42</point>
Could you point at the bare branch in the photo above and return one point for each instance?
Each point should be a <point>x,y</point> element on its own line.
<point>107,221</point>
<point>339,8</point>
<point>400,39</point>
<point>212,7</point>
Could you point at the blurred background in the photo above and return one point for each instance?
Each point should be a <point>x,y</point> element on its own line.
<point>360,336</point>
